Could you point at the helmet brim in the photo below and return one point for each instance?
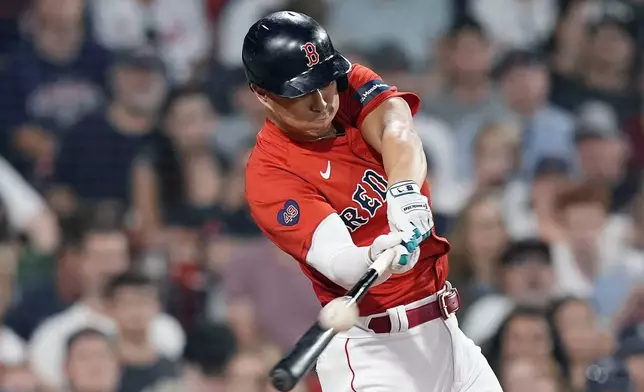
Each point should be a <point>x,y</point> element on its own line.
<point>315,78</point>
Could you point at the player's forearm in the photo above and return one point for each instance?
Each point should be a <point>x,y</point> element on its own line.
<point>390,130</point>
<point>402,154</point>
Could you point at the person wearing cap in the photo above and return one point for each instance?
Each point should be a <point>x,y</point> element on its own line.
<point>530,207</point>
<point>96,155</point>
<point>526,279</point>
<point>545,129</point>
<point>603,151</point>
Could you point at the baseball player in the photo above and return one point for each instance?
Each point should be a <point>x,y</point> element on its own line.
<point>337,177</point>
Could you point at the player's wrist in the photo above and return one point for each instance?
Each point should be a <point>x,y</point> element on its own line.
<point>402,188</point>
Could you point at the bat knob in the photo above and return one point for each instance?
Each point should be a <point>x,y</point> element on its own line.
<point>282,380</point>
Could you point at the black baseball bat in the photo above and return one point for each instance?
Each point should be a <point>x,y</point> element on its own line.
<point>300,360</point>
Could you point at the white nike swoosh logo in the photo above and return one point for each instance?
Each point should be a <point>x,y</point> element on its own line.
<point>327,173</point>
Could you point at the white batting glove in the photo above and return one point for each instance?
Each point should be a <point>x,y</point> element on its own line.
<point>408,212</point>
<point>403,260</point>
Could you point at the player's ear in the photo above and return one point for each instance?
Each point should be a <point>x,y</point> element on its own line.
<point>262,95</point>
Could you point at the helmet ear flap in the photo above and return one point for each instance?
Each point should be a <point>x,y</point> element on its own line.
<point>343,83</point>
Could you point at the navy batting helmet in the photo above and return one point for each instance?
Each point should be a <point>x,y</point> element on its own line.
<point>289,54</point>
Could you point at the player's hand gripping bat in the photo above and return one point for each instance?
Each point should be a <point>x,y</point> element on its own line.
<point>301,359</point>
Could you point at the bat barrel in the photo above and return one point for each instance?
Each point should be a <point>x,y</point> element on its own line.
<point>297,363</point>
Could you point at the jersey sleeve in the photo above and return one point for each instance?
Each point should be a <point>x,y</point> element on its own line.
<point>365,91</point>
<point>284,206</point>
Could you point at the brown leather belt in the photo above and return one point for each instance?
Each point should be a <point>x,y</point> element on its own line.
<point>446,303</point>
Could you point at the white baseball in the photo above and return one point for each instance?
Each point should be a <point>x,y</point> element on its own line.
<point>337,315</point>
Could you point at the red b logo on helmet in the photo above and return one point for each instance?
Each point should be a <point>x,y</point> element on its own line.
<point>311,53</point>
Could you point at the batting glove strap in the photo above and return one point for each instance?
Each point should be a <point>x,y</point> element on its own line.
<point>402,188</point>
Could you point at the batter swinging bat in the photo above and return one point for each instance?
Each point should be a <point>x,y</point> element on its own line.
<point>301,359</point>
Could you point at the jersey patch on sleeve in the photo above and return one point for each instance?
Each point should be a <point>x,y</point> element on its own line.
<point>289,215</point>
<point>370,90</point>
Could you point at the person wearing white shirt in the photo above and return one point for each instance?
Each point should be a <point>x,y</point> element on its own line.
<point>105,255</point>
<point>591,240</point>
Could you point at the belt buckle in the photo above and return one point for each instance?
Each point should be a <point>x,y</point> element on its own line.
<point>450,292</point>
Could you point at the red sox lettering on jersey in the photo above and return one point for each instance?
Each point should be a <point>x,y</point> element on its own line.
<point>366,205</point>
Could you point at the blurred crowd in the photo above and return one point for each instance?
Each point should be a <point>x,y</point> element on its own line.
<point>128,261</point>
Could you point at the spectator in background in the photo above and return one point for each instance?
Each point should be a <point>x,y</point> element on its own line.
<point>186,273</point>
<point>209,349</point>
<point>478,239</point>
<point>468,89</point>
<point>497,154</point>
<point>236,130</point>
<point>524,335</point>
<point>247,371</point>
<point>546,130</point>
<point>417,23</point>
<point>587,248</point>
<point>133,302</point>
<point>239,222</point>
<point>530,208</point>
<point>19,379</point>
<point>526,279</point>
<point>528,375</point>
<point>603,152</point>
<point>631,350</point>
<point>91,362</point>
<point>513,24</point>
<point>582,341</point>
<point>95,159</point>
<point>177,173</point>
<point>606,73</point>
<point>259,308</point>
<point>56,76</point>
<point>569,38</point>
<point>51,294</point>
<point>179,31</point>
<point>105,255</point>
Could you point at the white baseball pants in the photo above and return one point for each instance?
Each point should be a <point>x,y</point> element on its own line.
<point>433,357</point>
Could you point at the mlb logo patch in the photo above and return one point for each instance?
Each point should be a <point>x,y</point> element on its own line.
<point>289,215</point>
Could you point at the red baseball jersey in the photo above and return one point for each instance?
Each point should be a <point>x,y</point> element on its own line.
<point>291,187</point>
